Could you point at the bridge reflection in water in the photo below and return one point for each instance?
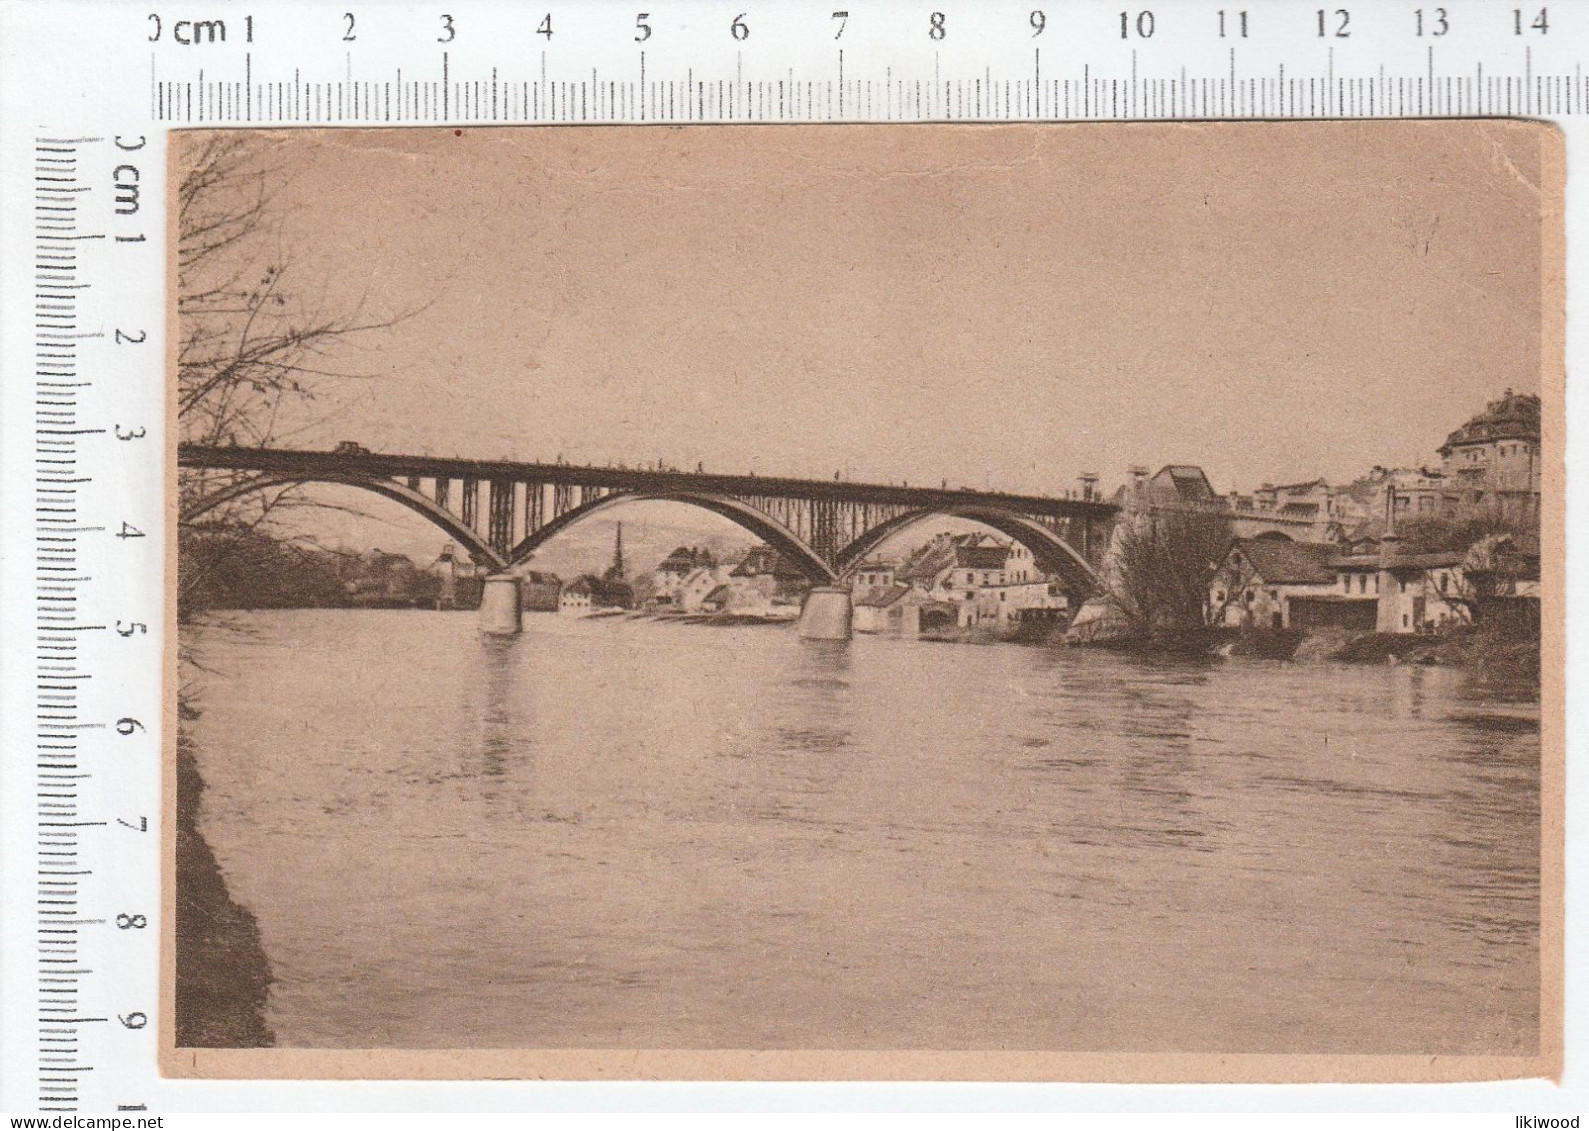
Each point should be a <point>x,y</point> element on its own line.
<point>824,528</point>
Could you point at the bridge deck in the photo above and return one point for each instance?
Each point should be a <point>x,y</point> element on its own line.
<point>317,465</point>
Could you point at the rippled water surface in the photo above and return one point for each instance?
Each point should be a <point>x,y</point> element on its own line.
<point>634,834</point>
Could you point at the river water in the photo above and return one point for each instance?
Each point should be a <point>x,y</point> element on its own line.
<point>637,834</point>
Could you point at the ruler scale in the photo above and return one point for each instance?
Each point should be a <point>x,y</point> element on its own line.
<point>501,95</point>
<point>90,89</point>
<point>57,287</point>
<point>87,762</point>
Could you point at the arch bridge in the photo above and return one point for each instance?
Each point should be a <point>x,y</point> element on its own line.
<point>504,511</point>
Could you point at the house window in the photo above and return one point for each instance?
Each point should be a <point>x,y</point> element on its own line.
<point>971,578</point>
<point>1362,583</point>
<point>1274,594</point>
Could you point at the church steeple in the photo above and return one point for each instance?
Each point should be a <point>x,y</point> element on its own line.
<point>617,570</point>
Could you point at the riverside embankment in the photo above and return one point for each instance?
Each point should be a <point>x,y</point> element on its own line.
<point>222,974</point>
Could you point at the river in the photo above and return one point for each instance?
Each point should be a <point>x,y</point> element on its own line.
<point>637,834</point>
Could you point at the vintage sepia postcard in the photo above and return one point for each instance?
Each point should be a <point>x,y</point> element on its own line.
<point>1033,602</point>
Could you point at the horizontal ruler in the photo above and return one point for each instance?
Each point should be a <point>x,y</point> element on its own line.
<point>840,60</point>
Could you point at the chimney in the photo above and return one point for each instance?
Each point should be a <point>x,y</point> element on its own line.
<point>1387,607</point>
<point>1389,549</point>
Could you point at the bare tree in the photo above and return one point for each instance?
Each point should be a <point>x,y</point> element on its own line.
<point>252,353</point>
<point>1159,567</point>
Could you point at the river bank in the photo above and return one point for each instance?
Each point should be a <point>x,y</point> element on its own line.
<point>1498,657</point>
<point>222,975</point>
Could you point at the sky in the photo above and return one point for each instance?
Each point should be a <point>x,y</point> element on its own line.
<point>994,306</point>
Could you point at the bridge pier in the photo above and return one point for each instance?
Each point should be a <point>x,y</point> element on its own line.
<point>826,614</point>
<point>501,607</point>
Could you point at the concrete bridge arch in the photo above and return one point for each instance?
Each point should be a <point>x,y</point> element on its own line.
<point>1050,552</point>
<point>794,550</point>
<point>478,547</point>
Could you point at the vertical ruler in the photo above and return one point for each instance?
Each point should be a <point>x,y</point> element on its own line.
<point>93,282</point>
<point>59,284</point>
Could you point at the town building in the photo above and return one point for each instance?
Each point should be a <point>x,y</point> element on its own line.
<point>1387,496</point>
<point>1311,511</point>
<point>952,567</point>
<point>1494,460</point>
<point>1489,465</point>
<point>1308,511</point>
<point>1007,603</point>
<point>1419,592</point>
<point>904,610</point>
<point>1273,583</point>
<point>658,590</point>
<point>607,592</point>
<point>1176,487</point>
<point>574,601</point>
<point>1259,578</point>
<point>1501,574</point>
<point>986,580</point>
<point>696,586</point>
<point>540,592</point>
<point>458,579</point>
<point>871,575</point>
<point>683,561</point>
<point>768,574</point>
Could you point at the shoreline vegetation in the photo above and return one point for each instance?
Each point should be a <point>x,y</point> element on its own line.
<point>1502,657</point>
<point>222,974</point>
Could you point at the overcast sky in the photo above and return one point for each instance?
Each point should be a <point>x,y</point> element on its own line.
<point>1005,306</point>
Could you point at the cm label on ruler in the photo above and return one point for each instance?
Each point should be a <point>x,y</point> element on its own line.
<point>1432,22</point>
<point>729,62</point>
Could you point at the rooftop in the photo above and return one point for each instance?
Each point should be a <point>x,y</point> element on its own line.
<point>1425,561</point>
<point>1187,481</point>
<point>964,551</point>
<point>1514,417</point>
<point>1289,487</point>
<point>882,598</point>
<point>1289,563</point>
